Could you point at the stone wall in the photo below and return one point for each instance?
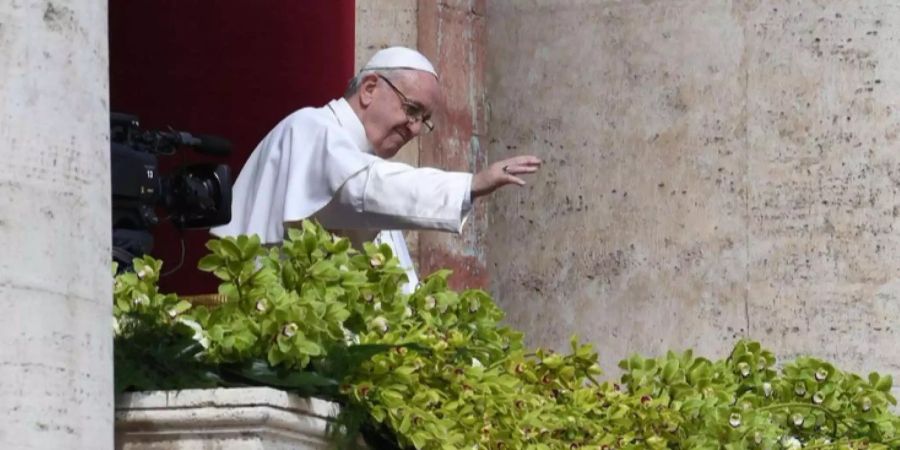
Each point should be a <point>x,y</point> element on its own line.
<point>452,34</point>
<point>714,170</point>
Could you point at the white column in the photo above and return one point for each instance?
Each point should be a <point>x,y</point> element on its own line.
<point>56,389</point>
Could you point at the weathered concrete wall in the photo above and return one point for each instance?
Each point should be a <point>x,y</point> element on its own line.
<point>56,387</point>
<point>452,35</point>
<point>714,169</point>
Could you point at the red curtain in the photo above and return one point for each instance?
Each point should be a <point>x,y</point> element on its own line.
<point>231,68</point>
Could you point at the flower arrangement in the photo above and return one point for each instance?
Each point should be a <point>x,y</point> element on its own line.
<point>437,370</point>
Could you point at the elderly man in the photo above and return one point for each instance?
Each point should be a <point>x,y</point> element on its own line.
<point>330,164</point>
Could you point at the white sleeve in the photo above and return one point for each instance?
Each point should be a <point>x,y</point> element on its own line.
<point>396,196</point>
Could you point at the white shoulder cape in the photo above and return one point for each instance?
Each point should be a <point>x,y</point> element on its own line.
<point>292,173</point>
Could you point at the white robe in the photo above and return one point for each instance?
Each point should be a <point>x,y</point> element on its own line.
<point>318,163</point>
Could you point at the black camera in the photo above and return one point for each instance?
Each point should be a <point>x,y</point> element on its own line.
<point>193,196</point>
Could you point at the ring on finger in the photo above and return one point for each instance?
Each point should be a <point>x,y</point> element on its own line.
<point>506,169</point>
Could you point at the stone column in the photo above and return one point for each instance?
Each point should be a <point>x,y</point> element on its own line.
<point>452,35</point>
<point>55,286</point>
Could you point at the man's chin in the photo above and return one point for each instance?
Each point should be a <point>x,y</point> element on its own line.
<point>391,147</point>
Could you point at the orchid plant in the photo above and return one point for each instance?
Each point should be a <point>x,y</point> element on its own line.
<point>437,369</point>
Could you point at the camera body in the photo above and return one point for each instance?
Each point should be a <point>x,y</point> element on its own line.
<point>194,196</point>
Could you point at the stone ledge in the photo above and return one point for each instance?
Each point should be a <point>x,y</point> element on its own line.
<point>221,419</point>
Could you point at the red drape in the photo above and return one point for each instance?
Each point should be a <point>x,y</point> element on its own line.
<point>232,68</point>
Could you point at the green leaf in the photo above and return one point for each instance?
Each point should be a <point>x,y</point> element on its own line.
<point>210,263</point>
<point>325,270</point>
<point>231,250</point>
<point>884,383</point>
<point>309,347</point>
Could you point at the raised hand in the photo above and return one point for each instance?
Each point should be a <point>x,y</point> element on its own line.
<point>502,173</point>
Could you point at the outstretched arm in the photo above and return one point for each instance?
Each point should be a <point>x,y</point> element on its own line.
<point>390,195</point>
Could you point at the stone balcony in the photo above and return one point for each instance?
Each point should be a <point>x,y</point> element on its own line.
<point>221,419</point>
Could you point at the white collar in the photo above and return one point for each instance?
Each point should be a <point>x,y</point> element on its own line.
<point>350,122</point>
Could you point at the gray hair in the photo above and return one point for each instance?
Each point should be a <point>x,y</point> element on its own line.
<point>355,82</point>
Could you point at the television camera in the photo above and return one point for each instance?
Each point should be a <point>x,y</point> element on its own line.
<point>193,196</point>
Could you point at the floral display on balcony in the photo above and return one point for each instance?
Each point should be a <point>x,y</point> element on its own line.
<point>437,369</point>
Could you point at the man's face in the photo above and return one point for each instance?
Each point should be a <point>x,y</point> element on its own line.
<point>398,109</point>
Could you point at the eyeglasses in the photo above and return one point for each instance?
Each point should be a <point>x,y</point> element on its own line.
<point>414,111</point>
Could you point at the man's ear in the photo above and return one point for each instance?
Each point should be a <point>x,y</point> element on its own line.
<point>367,89</point>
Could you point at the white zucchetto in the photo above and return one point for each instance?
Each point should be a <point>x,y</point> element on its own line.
<point>393,58</point>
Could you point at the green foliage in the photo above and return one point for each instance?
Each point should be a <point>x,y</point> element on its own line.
<point>744,402</point>
<point>155,346</point>
<point>437,370</point>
